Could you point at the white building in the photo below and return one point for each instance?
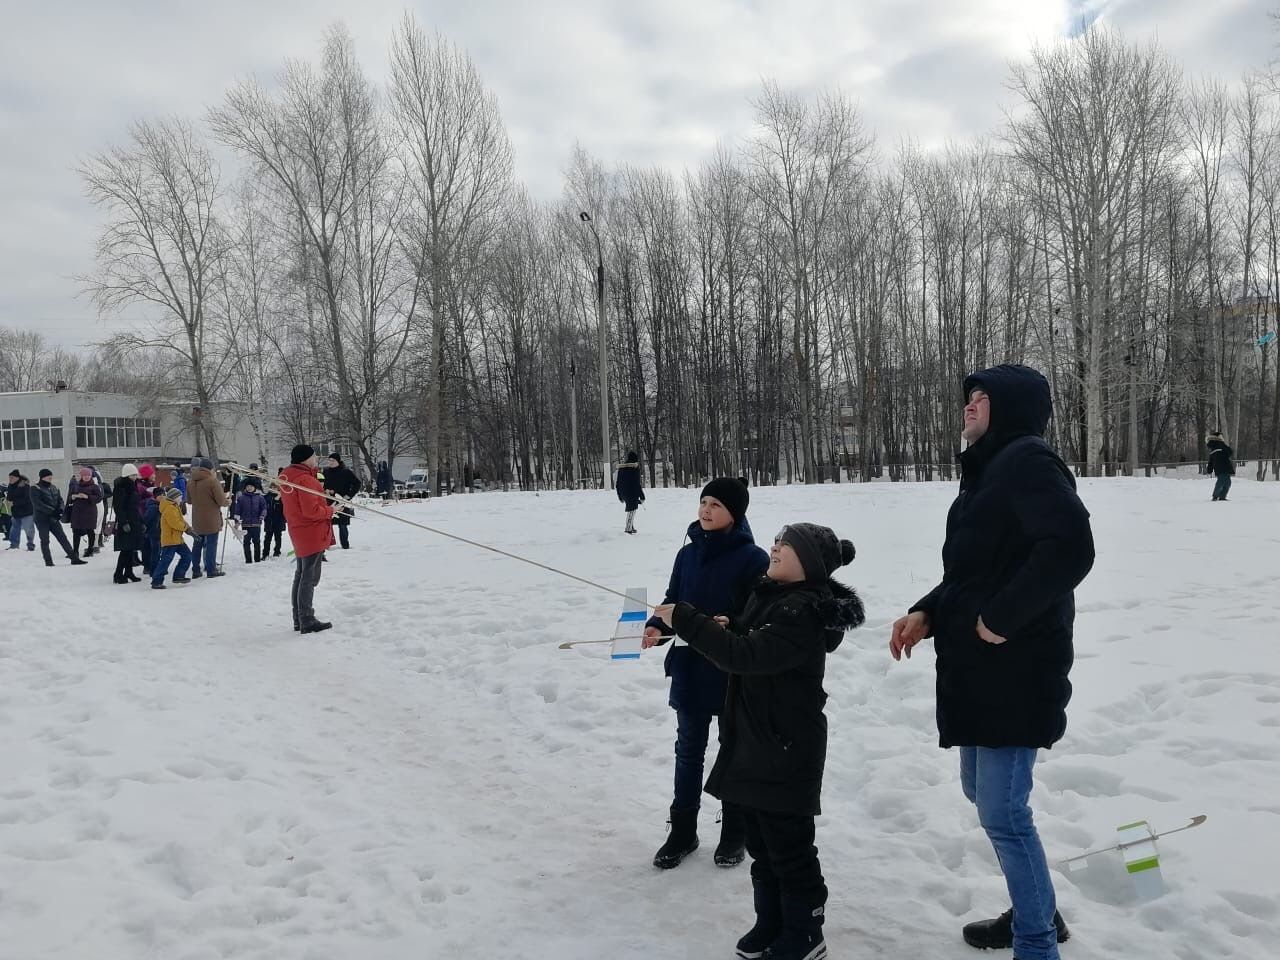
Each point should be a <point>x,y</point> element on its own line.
<point>66,429</point>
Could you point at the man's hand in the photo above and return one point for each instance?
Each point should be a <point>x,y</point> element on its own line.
<point>987,635</point>
<point>907,632</point>
<point>651,637</point>
<point>665,612</point>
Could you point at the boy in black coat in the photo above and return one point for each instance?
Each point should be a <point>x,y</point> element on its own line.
<point>714,571</point>
<point>773,736</point>
<point>1220,465</point>
<point>629,490</point>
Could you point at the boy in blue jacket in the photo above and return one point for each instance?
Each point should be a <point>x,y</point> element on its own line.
<point>714,571</point>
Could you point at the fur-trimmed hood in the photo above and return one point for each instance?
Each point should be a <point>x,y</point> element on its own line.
<point>841,611</point>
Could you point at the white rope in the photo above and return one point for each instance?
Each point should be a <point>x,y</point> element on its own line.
<point>279,482</point>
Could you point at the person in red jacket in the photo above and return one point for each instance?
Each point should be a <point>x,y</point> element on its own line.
<point>309,517</point>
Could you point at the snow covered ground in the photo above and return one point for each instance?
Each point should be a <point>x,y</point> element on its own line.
<point>185,778</point>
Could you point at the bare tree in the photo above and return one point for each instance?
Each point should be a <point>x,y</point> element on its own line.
<point>456,152</point>
<point>164,248</point>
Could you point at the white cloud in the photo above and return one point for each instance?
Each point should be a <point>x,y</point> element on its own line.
<point>650,83</point>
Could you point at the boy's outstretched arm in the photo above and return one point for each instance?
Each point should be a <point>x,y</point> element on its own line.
<point>782,644</point>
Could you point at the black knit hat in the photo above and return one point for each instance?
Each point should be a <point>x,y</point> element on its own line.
<point>333,455</point>
<point>821,552</point>
<point>46,472</point>
<point>731,492</point>
<point>301,453</point>
<point>633,457</point>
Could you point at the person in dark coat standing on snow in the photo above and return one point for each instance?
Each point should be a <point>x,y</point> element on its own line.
<point>310,519</point>
<point>22,511</point>
<point>630,492</point>
<point>341,481</point>
<point>1220,465</point>
<point>48,503</point>
<point>251,510</point>
<point>714,571</point>
<point>274,524</point>
<point>128,536</point>
<point>83,497</point>
<point>1018,543</point>
<point>773,738</point>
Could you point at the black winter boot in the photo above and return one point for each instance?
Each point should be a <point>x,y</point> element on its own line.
<point>801,937</point>
<point>681,841</point>
<point>997,934</point>
<point>732,849</point>
<point>768,926</point>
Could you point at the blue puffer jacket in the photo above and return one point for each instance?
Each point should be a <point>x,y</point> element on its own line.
<point>715,572</point>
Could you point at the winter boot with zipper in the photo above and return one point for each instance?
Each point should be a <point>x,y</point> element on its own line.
<point>681,841</point>
<point>997,934</point>
<point>768,926</point>
<point>801,937</point>
<point>732,849</point>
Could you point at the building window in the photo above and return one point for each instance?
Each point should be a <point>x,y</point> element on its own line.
<point>100,432</point>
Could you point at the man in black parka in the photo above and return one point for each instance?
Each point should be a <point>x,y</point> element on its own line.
<point>1018,543</point>
<point>341,480</point>
<point>1220,465</point>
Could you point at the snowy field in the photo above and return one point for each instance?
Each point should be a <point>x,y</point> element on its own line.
<point>185,778</point>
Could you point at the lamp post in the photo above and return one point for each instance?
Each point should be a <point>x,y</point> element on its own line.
<point>606,462</point>
<point>573,422</point>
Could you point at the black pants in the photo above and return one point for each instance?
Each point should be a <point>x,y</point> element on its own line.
<point>343,523</point>
<point>89,536</point>
<point>272,535</point>
<point>46,525</point>
<point>252,537</point>
<point>306,576</point>
<point>784,858</point>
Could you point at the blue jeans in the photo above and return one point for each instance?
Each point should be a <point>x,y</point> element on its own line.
<point>160,566</point>
<point>998,781</point>
<point>1222,486</point>
<point>17,525</point>
<point>692,733</point>
<point>204,550</point>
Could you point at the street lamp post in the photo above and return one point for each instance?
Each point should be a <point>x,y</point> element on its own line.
<point>573,421</point>
<point>606,461</point>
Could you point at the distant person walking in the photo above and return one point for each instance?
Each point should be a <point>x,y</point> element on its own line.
<point>48,506</point>
<point>630,491</point>
<point>310,519</point>
<point>172,526</point>
<point>1221,464</point>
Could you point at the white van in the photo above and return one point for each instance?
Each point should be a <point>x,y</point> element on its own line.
<point>418,482</point>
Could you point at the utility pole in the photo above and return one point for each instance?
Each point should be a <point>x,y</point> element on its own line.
<point>606,461</point>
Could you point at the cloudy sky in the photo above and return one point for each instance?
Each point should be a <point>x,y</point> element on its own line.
<point>651,82</point>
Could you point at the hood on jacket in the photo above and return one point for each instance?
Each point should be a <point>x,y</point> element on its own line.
<point>842,611</point>
<point>199,473</point>
<point>1020,401</point>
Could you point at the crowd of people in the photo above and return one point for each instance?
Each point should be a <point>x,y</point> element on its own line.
<point>150,524</point>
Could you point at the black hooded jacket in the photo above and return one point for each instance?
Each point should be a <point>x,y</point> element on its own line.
<point>1018,543</point>
<point>1220,462</point>
<point>628,485</point>
<point>773,732</point>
